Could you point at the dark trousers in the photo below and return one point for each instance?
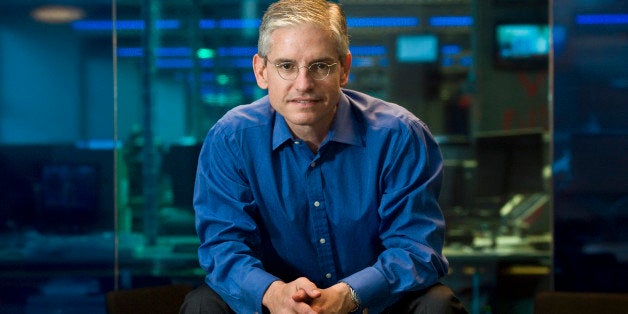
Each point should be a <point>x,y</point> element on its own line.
<point>434,300</point>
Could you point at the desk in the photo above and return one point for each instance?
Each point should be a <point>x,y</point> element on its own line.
<point>501,270</point>
<point>71,273</point>
<point>30,252</point>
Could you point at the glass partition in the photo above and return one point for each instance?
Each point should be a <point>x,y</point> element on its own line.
<point>56,157</point>
<point>590,143</point>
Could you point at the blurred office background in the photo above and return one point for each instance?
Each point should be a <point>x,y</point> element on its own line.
<point>104,105</point>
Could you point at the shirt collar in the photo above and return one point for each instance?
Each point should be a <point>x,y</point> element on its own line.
<point>344,129</point>
<point>281,132</point>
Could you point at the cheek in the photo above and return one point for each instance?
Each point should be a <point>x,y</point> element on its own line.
<point>276,93</point>
<point>278,86</point>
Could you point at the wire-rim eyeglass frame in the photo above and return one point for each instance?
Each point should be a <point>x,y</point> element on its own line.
<point>289,71</point>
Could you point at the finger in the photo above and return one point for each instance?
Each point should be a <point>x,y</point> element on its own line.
<point>309,287</point>
<point>313,292</point>
<point>300,296</point>
<point>303,295</point>
<point>304,308</point>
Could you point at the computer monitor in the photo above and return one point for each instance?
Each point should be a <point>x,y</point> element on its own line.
<point>61,189</point>
<point>522,45</point>
<point>417,48</point>
<point>508,164</point>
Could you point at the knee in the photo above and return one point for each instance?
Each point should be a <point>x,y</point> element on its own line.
<point>437,299</point>
<point>204,300</point>
<point>441,299</point>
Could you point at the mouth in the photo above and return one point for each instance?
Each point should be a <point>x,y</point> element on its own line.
<point>304,101</point>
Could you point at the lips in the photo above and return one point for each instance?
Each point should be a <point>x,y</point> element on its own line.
<point>304,101</point>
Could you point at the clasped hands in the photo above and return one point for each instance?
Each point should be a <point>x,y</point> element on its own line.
<point>302,296</point>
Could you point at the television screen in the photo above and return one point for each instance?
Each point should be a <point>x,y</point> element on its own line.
<point>522,44</point>
<point>421,48</point>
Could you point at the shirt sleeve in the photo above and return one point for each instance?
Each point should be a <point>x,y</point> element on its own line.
<point>225,223</point>
<point>412,224</point>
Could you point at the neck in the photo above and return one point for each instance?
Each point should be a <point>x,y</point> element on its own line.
<point>313,137</point>
<point>312,134</point>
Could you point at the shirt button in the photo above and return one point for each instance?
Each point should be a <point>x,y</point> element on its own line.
<point>313,164</point>
<point>322,241</point>
<point>297,142</point>
<point>328,275</point>
<point>317,203</point>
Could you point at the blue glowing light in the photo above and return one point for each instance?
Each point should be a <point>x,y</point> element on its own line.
<point>451,21</point>
<point>207,63</point>
<point>368,50</point>
<point>360,22</point>
<point>242,63</point>
<point>167,24</point>
<point>130,52</point>
<point>450,49</point>
<point>91,25</point>
<point>602,19</point>
<point>239,23</point>
<point>363,62</point>
<point>126,25</point>
<point>173,52</point>
<point>447,61</point>
<point>466,61</point>
<point>237,51</point>
<point>204,24</point>
<point>121,25</point>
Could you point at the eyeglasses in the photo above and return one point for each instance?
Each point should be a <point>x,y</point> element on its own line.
<point>290,70</point>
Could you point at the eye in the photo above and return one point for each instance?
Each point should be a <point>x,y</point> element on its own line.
<point>286,66</point>
<point>319,66</point>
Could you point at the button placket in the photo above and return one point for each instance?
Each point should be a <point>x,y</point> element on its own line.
<point>320,222</point>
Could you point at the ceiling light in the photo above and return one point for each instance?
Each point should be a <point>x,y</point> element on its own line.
<point>57,14</point>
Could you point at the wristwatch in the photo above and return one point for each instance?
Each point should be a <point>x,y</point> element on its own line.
<point>354,298</point>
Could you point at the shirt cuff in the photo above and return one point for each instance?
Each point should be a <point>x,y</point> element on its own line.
<point>260,280</point>
<point>370,286</point>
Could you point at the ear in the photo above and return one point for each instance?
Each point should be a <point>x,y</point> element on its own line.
<point>259,69</point>
<point>346,67</point>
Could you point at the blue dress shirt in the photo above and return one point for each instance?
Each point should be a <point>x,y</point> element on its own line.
<point>363,209</point>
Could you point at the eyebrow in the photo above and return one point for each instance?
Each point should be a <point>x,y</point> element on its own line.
<point>325,60</point>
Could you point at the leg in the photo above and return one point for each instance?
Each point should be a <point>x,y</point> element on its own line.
<point>204,300</point>
<point>436,299</point>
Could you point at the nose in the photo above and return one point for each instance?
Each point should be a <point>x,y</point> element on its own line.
<point>304,80</point>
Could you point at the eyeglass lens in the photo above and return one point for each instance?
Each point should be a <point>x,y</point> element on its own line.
<point>317,70</point>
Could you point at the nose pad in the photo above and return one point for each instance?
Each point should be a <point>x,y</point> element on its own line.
<point>304,79</point>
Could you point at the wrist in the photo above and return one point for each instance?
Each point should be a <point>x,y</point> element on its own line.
<point>268,296</point>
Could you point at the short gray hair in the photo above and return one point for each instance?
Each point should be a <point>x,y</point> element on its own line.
<point>324,14</point>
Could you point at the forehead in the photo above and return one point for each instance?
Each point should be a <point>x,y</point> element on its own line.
<point>302,43</point>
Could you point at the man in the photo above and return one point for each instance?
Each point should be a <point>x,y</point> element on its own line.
<point>315,198</point>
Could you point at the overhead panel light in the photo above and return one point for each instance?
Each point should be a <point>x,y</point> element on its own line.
<point>57,14</point>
